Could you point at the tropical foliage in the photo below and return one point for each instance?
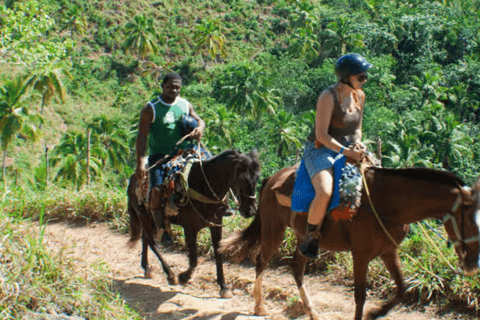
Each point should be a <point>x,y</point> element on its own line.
<point>253,70</point>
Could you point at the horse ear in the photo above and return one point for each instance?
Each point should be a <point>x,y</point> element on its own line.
<point>476,189</point>
<point>255,154</point>
<point>467,195</point>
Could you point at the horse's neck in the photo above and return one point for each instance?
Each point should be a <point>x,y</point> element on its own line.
<point>405,201</point>
<point>215,176</point>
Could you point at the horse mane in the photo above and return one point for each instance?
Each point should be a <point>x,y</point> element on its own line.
<point>425,174</point>
<point>246,161</point>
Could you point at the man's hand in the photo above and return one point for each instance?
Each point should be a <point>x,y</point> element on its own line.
<point>141,173</point>
<point>196,134</point>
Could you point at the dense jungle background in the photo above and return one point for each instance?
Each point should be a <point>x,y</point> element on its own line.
<point>75,75</point>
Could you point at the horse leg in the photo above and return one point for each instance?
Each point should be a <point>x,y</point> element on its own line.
<point>171,277</point>
<point>391,261</point>
<point>269,245</point>
<point>360,267</point>
<point>298,269</point>
<point>147,269</point>
<point>191,241</point>
<point>216,233</point>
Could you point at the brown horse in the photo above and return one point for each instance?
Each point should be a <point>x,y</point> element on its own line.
<point>212,178</point>
<point>399,197</point>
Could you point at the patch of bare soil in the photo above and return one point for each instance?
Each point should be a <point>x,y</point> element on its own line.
<point>155,299</point>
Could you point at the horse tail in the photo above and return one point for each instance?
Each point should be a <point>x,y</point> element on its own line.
<point>243,244</point>
<point>246,243</point>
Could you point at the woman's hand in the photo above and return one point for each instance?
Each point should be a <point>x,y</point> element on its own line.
<point>355,154</point>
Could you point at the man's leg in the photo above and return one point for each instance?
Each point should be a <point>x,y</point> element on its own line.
<point>157,210</point>
<point>323,185</point>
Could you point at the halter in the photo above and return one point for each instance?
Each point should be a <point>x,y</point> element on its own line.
<point>450,217</point>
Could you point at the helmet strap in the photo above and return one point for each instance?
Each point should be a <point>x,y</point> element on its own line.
<point>347,82</point>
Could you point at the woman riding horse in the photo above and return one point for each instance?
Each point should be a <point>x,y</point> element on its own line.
<point>338,126</point>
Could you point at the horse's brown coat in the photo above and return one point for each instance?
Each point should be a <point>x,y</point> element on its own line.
<point>399,196</point>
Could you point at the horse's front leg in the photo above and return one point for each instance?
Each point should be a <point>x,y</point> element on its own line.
<point>225,291</point>
<point>298,269</point>
<point>360,267</point>
<point>191,241</point>
<point>391,261</point>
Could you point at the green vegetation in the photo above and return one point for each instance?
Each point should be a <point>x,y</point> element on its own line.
<point>76,74</point>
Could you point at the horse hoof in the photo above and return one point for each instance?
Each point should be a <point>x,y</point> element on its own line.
<point>314,316</point>
<point>373,314</point>
<point>260,311</point>
<point>226,294</point>
<point>172,280</point>
<point>183,279</point>
<point>148,273</point>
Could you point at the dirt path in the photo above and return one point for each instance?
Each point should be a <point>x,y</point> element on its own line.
<point>155,299</point>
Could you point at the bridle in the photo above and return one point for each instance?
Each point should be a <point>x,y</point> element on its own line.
<point>450,217</point>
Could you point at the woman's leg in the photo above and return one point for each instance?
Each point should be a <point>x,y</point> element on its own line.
<point>323,185</point>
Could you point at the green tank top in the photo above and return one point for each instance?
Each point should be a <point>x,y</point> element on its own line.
<point>165,131</point>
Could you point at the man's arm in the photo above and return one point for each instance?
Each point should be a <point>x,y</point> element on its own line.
<point>197,133</point>
<point>146,118</point>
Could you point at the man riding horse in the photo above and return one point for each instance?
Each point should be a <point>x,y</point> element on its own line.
<point>164,121</point>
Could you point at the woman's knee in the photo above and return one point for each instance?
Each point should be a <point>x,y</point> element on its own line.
<point>323,183</point>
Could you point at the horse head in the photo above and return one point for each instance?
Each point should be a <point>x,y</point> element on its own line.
<point>463,227</point>
<point>247,172</point>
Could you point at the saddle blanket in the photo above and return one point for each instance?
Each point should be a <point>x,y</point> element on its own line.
<point>346,190</point>
<point>168,170</point>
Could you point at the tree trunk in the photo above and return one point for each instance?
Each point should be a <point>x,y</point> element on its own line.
<point>88,157</point>
<point>3,169</point>
<point>46,164</point>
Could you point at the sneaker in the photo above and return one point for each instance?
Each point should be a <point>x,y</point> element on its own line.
<point>309,247</point>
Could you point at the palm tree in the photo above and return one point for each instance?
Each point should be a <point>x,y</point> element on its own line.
<point>246,90</point>
<point>404,148</point>
<point>71,157</point>
<point>209,37</point>
<point>288,133</point>
<point>47,79</point>
<point>449,138</point>
<point>74,20</point>
<point>140,36</point>
<point>113,138</point>
<point>220,127</point>
<point>304,44</point>
<point>341,37</point>
<point>14,116</point>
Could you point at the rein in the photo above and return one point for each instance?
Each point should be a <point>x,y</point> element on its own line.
<point>450,217</point>
<point>191,193</point>
<point>375,211</point>
<point>393,240</point>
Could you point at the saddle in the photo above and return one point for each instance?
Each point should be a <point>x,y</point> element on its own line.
<point>295,182</point>
<point>174,190</point>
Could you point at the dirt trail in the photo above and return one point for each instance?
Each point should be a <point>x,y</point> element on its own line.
<point>155,299</point>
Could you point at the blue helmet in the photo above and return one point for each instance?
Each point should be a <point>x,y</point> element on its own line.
<point>188,123</point>
<point>349,64</point>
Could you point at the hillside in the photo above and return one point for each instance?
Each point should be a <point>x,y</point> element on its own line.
<point>76,74</point>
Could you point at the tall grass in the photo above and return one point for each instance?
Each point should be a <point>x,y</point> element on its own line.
<point>34,280</point>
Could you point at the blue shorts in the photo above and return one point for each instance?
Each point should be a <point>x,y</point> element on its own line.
<point>317,160</point>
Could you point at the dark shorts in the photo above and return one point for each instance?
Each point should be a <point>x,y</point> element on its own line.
<point>157,172</point>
